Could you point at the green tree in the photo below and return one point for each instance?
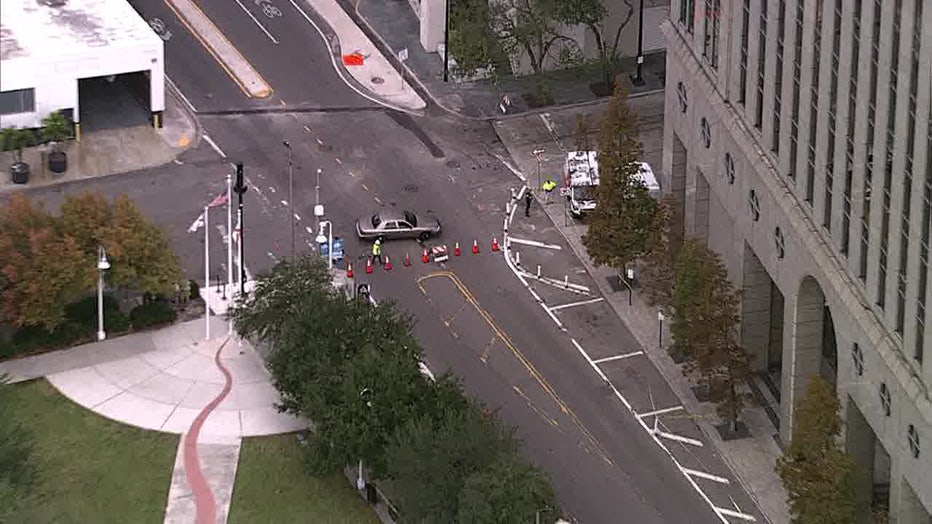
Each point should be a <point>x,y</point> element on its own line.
<point>42,269</point>
<point>705,328</point>
<point>818,476</point>
<point>471,43</point>
<point>509,491</point>
<point>658,270</point>
<point>594,15</point>
<point>620,225</point>
<point>15,139</point>
<point>581,134</point>
<point>350,367</point>
<point>140,255</point>
<point>534,29</point>
<point>431,455</point>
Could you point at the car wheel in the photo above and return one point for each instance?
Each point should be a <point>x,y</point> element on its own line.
<point>423,236</point>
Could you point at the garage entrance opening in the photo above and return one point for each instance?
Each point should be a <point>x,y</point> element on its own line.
<point>112,102</point>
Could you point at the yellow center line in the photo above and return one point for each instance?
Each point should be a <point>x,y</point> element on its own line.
<point>543,414</point>
<point>531,369</point>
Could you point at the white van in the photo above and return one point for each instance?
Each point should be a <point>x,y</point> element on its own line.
<point>650,181</point>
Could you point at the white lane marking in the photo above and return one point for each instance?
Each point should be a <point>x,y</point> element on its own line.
<point>309,230</point>
<point>285,203</point>
<point>659,412</point>
<point>678,438</point>
<point>510,167</point>
<point>338,161</point>
<point>340,73</point>
<point>534,243</point>
<point>725,512</point>
<point>617,357</point>
<point>262,27</point>
<point>214,145</point>
<point>707,476</point>
<point>178,92</point>
<point>272,189</point>
<point>297,217</point>
<point>426,371</point>
<point>653,434</point>
<point>574,304</point>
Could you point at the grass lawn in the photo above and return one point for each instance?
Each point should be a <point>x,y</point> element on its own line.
<point>92,469</point>
<point>272,485</point>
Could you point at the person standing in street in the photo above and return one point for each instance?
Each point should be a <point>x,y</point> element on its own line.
<point>527,203</point>
<point>548,188</point>
<point>377,250</point>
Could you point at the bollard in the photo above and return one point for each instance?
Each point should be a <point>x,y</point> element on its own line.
<point>538,270</point>
<point>517,258</point>
<point>566,281</point>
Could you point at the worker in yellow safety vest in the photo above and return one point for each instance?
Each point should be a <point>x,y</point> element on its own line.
<point>377,250</point>
<point>548,188</point>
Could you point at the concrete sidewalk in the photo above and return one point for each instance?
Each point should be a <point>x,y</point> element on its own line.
<point>376,75</point>
<point>213,392</point>
<point>111,151</point>
<point>751,459</point>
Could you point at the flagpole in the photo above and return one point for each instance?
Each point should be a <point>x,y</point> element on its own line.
<point>206,287</point>
<point>230,247</point>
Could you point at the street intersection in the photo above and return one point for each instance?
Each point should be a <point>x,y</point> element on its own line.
<point>518,352</point>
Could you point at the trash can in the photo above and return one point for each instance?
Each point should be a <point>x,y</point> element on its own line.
<point>19,173</point>
<point>372,496</point>
<point>58,162</point>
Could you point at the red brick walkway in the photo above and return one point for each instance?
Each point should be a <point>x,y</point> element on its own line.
<point>203,496</point>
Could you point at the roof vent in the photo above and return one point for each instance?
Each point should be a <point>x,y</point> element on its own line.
<point>53,3</point>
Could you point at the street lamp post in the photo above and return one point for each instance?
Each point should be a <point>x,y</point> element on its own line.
<point>102,265</point>
<point>240,189</point>
<point>638,80</point>
<point>366,395</point>
<point>291,195</point>
<point>328,239</point>
<point>446,40</point>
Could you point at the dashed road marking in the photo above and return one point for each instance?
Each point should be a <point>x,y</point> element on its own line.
<point>285,203</point>
<point>338,161</point>
<point>707,476</point>
<point>307,129</point>
<point>377,200</point>
<point>364,186</point>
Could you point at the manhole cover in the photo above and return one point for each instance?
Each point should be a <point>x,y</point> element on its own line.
<point>453,163</point>
<point>410,188</point>
<point>378,80</point>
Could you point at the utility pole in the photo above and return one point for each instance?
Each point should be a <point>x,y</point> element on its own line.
<point>240,188</point>
<point>291,196</point>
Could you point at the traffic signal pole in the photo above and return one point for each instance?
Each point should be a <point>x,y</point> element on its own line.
<point>240,188</point>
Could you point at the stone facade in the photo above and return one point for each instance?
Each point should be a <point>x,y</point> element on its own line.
<point>769,160</point>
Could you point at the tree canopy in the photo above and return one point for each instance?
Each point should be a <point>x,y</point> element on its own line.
<point>49,261</point>
<point>509,491</point>
<point>352,369</point>
<point>818,476</point>
<point>620,225</point>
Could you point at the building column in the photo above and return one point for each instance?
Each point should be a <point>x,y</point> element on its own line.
<point>803,331</point>
<point>755,310</point>
<point>433,19</point>
<point>860,444</point>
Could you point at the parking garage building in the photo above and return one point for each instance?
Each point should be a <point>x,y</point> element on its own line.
<point>97,61</point>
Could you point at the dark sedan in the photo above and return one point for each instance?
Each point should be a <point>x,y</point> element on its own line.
<point>391,224</point>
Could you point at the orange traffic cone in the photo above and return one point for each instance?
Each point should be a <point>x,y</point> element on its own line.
<point>407,259</point>
<point>424,257</point>
<point>456,249</point>
<point>475,247</point>
<point>494,244</point>
<point>369,265</point>
<point>388,263</point>
<point>349,270</point>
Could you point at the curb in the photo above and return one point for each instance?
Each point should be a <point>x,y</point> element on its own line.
<point>332,40</point>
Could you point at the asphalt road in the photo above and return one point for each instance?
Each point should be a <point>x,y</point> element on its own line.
<point>473,316</point>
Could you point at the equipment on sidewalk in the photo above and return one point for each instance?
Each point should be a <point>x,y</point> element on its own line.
<point>475,247</point>
<point>494,244</point>
<point>369,266</point>
<point>388,263</point>
<point>349,270</point>
<point>407,261</point>
<point>456,249</point>
<point>424,256</point>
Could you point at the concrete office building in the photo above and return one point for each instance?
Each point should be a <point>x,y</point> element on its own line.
<point>798,144</point>
<point>97,61</point>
